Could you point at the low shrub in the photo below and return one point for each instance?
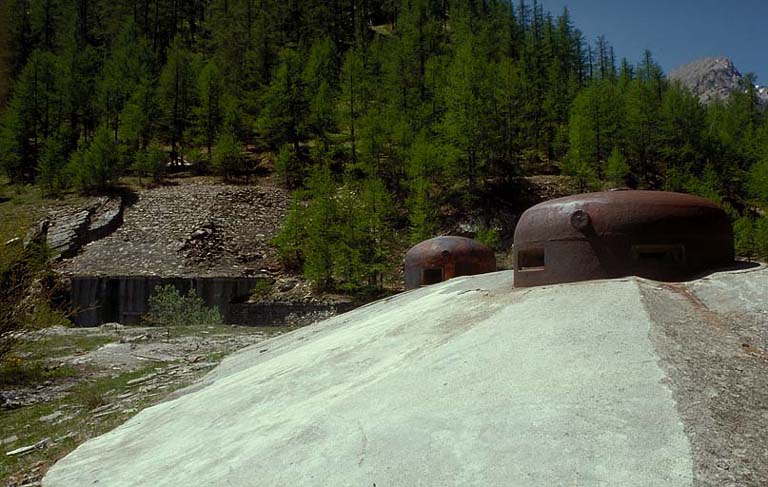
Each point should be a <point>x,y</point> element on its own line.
<point>169,308</point>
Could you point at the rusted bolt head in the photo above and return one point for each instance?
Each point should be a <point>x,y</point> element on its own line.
<point>580,220</point>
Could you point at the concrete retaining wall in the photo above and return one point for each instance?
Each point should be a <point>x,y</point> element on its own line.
<point>96,300</point>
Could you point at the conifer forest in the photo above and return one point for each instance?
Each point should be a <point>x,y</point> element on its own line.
<point>378,115</point>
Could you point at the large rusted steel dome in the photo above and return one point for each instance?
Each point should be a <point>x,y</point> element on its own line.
<point>651,234</point>
<point>441,258</point>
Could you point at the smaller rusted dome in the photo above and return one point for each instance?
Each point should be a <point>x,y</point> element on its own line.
<point>441,258</point>
<point>653,234</point>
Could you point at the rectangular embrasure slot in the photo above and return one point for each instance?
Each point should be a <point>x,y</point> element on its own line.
<point>659,254</point>
<point>431,276</point>
<point>530,260</point>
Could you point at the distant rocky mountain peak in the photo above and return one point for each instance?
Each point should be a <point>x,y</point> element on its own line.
<point>713,79</point>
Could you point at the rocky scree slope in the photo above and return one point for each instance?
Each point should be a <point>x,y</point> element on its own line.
<point>193,228</point>
<point>713,79</point>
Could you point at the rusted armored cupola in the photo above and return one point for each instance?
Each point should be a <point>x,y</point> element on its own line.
<point>656,235</point>
<point>442,258</point>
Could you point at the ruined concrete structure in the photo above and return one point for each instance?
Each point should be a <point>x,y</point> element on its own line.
<point>441,258</point>
<point>96,300</point>
<point>124,299</point>
<point>656,235</point>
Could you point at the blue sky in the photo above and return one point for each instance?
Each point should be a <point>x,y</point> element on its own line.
<point>677,31</point>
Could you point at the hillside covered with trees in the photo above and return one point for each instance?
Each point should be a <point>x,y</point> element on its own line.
<point>378,114</point>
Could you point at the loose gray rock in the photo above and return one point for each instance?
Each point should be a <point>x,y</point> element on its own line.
<point>196,228</point>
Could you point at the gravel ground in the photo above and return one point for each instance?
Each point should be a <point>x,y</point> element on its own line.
<point>195,227</point>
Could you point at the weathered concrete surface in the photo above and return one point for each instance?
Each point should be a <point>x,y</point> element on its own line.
<point>711,336</point>
<point>470,382</point>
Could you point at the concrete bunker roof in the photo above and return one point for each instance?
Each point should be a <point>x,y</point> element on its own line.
<point>470,382</point>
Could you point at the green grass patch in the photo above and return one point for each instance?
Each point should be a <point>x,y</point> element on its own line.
<point>86,411</point>
<point>19,372</point>
<point>76,423</point>
<point>27,203</point>
<point>48,347</point>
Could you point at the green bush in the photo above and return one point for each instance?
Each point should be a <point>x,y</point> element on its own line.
<point>228,157</point>
<point>24,296</point>
<point>761,238</point>
<point>489,237</point>
<point>51,164</point>
<point>288,166</point>
<point>151,161</point>
<point>617,169</point>
<point>752,237</point>
<point>169,308</point>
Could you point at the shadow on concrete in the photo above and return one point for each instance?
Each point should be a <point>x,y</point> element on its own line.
<point>737,266</point>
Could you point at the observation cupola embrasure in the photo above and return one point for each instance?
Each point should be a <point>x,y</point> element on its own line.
<point>442,258</point>
<point>651,234</point>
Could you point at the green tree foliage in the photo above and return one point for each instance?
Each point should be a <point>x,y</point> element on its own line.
<point>682,136</point>
<point>488,236</point>
<point>52,163</point>
<point>758,180</point>
<point>151,161</point>
<point>338,235</point>
<point>95,163</point>
<point>761,238</point>
<point>209,112</point>
<point>752,237</point>
<point>617,169</point>
<point>291,238</point>
<point>436,107</point>
<point>126,67</point>
<point>321,81</point>
<point>141,109</point>
<point>360,256</point>
<point>8,51</point>
<point>45,19</point>
<point>176,95</point>
<point>352,76</point>
<point>427,161</point>
<point>36,112</point>
<point>595,128</point>
<point>643,101</point>
<point>228,157</point>
<point>321,220</point>
<point>285,109</point>
<point>288,166</point>
<point>465,123</point>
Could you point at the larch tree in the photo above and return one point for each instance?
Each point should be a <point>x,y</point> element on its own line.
<point>176,95</point>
